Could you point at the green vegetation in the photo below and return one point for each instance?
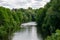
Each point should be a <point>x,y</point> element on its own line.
<point>48,19</point>
<point>54,36</point>
<point>10,20</point>
<point>8,24</point>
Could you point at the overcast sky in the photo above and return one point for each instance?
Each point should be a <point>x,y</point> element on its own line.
<point>23,3</point>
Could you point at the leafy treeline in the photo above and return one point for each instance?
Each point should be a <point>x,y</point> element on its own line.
<point>54,36</point>
<point>8,24</point>
<point>26,14</point>
<point>10,20</point>
<point>48,20</point>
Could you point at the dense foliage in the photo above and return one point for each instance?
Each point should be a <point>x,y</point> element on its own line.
<point>48,18</point>
<point>10,20</point>
<point>54,36</point>
<point>8,24</point>
<point>26,14</point>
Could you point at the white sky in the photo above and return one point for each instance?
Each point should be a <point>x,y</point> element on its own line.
<point>23,3</point>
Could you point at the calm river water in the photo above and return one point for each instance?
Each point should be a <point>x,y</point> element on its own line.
<point>28,32</point>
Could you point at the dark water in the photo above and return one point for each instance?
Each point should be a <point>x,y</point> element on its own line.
<point>29,32</point>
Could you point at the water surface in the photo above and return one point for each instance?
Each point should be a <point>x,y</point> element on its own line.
<point>29,32</point>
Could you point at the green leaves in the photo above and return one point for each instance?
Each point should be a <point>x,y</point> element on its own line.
<point>48,18</point>
<point>8,24</point>
<point>10,20</point>
<point>54,36</point>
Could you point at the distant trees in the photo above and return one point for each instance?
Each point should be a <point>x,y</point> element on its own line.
<point>47,18</point>
<point>26,14</point>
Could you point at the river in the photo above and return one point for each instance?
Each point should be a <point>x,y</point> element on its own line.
<point>28,32</point>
